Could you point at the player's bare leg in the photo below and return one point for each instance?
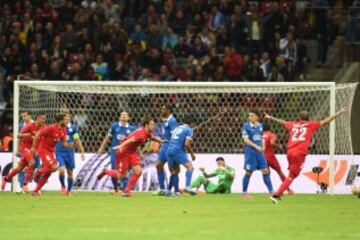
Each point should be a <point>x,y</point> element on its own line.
<point>28,175</point>
<point>266,178</point>
<point>13,172</point>
<point>137,171</point>
<point>45,172</point>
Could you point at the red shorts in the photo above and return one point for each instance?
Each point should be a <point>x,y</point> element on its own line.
<point>296,161</point>
<point>126,160</point>
<point>26,157</point>
<point>272,161</point>
<point>47,158</point>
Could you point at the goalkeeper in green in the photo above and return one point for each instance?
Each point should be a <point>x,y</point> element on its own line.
<point>225,175</point>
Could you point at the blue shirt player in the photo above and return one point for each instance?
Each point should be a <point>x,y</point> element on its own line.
<point>252,134</point>
<point>179,145</point>
<point>66,157</point>
<point>168,127</point>
<point>117,132</point>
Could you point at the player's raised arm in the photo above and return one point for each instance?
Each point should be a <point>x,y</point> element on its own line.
<point>330,118</point>
<point>278,120</point>
<point>206,174</point>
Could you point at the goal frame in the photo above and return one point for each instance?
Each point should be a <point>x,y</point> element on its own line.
<point>332,103</point>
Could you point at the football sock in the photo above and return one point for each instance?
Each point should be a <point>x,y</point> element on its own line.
<point>267,181</point>
<point>188,176</point>
<point>132,181</point>
<point>124,182</point>
<point>70,184</point>
<point>246,181</point>
<point>161,179</point>
<point>285,185</point>
<point>62,180</point>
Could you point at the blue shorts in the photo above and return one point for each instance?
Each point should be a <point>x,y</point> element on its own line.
<point>162,152</point>
<point>255,161</point>
<point>66,159</point>
<point>176,157</point>
<point>113,158</point>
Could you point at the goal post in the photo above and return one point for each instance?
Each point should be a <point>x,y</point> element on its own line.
<point>219,107</point>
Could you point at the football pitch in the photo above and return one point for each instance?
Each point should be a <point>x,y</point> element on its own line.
<point>105,216</point>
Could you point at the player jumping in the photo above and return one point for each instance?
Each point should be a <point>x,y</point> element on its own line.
<point>168,127</point>
<point>225,175</point>
<point>301,132</point>
<point>179,144</point>
<point>252,135</point>
<point>128,154</point>
<point>117,132</point>
<point>47,138</point>
<point>270,142</point>
<point>27,159</point>
<point>66,157</point>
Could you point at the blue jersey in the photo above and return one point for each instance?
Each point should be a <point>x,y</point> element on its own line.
<point>255,134</point>
<point>179,136</point>
<point>117,132</point>
<point>72,134</point>
<point>168,127</point>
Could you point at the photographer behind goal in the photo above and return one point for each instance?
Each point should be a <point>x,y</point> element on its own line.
<point>225,175</point>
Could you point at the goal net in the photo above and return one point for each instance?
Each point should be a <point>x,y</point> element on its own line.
<point>220,109</point>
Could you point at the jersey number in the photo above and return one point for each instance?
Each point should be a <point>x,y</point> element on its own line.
<point>176,133</point>
<point>299,134</point>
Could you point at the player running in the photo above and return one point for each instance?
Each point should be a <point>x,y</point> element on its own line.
<point>179,144</point>
<point>301,132</point>
<point>27,159</point>
<point>252,135</point>
<point>117,132</point>
<point>66,157</point>
<point>169,125</point>
<point>44,142</point>
<point>128,154</point>
<point>225,175</point>
<point>270,142</point>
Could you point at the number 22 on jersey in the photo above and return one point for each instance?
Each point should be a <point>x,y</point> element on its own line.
<point>299,134</point>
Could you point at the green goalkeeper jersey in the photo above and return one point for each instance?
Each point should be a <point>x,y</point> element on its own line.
<point>224,178</point>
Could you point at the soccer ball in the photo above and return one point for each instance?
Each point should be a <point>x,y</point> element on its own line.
<point>355,190</point>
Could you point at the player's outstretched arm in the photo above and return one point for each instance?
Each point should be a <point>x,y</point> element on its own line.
<point>123,144</point>
<point>80,146</point>
<point>330,118</point>
<point>157,139</point>
<point>205,174</point>
<point>278,120</point>
<point>103,144</point>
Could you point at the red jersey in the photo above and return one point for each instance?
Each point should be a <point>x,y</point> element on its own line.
<point>268,137</point>
<point>26,142</point>
<point>140,136</point>
<point>50,136</point>
<point>301,133</point>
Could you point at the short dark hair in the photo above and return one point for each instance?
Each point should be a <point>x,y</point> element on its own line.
<point>266,127</point>
<point>146,120</point>
<point>256,112</point>
<point>220,159</point>
<point>188,119</point>
<point>39,114</point>
<point>304,115</point>
<point>168,107</point>
<point>59,117</point>
<point>27,112</point>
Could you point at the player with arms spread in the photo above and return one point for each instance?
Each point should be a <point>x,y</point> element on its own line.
<point>27,159</point>
<point>117,132</point>
<point>66,157</point>
<point>301,132</point>
<point>128,154</point>
<point>225,175</point>
<point>47,138</point>
<point>270,144</point>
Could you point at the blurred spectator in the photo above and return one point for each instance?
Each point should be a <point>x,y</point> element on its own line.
<point>233,63</point>
<point>165,76</point>
<point>275,75</point>
<point>288,50</point>
<point>101,68</point>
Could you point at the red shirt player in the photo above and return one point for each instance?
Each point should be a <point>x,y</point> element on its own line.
<point>128,155</point>
<point>301,133</point>
<point>27,159</point>
<point>270,142</point>
<point>47,138</point>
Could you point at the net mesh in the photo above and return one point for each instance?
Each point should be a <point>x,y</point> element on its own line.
<point>219,111</point>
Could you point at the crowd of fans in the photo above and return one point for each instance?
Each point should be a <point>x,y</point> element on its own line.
<point>166,40</point>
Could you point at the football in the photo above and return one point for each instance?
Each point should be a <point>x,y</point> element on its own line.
<point>355,190</point>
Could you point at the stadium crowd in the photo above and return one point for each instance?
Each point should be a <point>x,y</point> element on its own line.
<point>173,40</point>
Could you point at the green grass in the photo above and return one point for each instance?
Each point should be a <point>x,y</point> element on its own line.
<point>104,216</point>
